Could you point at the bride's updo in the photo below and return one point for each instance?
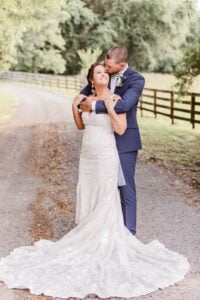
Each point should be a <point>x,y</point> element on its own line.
<point>90,74</point>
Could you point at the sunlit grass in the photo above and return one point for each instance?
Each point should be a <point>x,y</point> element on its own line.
<point>177,146</point>
<point>166,82</point>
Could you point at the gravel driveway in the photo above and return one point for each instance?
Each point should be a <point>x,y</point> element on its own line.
<point>39,150</point>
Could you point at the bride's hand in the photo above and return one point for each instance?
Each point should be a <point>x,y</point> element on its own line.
<point>78,99</point>
<point>111,101</point>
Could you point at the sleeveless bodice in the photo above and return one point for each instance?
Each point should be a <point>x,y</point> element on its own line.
<point>98,137</point>
<point>101,121</point>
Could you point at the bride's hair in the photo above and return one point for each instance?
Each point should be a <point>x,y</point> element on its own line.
<point>91,72</point>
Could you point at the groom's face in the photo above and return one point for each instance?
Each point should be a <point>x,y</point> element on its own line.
<point>112,66</point>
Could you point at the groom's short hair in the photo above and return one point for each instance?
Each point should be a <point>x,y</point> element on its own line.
<point>118,54</point>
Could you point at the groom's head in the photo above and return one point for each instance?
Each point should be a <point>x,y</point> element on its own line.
<point>115,60</point>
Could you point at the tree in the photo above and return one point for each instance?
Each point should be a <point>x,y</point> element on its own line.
<point>40,50</point>
<point>16,18</point>
<point>188,67</point>
<point>49,34</point>
<point>149,29</point>
<point>88,56</point>
<point>76,31</point>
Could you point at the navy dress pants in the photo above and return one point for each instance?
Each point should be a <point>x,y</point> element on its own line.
<point>128,191</point>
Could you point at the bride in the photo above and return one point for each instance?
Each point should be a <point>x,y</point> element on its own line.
<point>100,255</point>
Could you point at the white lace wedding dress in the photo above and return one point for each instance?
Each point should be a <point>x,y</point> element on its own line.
<point>99,256</point>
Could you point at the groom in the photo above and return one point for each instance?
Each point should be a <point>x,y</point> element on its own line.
<point>128,84</point>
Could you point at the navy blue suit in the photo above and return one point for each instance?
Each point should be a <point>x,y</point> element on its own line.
<point>129,143</point>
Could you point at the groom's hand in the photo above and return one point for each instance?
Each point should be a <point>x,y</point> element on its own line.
<point>87,104</point>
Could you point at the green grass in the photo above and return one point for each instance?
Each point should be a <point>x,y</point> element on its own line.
<point>167,81</point>
<point>7,104</point>
<point>175,146</point>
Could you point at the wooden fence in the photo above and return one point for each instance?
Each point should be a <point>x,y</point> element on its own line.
<point>158,102</point>
<point>165,102</point>
<point>54,81</point>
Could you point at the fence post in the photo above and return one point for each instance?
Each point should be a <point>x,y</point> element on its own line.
<point>193,110</point>
<point>172,106</point>
<point>155,98</point>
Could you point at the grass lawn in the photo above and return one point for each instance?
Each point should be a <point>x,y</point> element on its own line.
<point>167,81</point>
<point>177,147</point>
<point>7,104</point>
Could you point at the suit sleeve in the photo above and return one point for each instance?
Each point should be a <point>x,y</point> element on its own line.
<point>86,90</point>
<point>130,97</point>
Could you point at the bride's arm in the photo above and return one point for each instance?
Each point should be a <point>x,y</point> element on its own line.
<point>77,114</point>
<point>118,121</point>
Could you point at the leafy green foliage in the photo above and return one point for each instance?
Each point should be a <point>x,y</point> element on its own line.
<point>76,31</point>
<point>86,56</point>
<point>188,67</point>
<point>48,35</point>
<point>149,29</point>
<point>19,17</point>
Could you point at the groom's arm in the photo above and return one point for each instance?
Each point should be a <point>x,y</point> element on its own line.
<point>86,90</point>
<point>129,99</point>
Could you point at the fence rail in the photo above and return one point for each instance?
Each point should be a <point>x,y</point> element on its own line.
<point>164,102</point>
<point>58,81</point>
<point>156,101</point>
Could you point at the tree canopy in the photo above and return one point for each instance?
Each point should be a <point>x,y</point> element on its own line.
<point>188,66</point>
<point>49,35</point>
<point>20,20</point>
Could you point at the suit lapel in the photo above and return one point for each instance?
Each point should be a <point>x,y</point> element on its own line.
<point>120,89</point>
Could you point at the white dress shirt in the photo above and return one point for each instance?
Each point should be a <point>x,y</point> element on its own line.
<point>112,84</point>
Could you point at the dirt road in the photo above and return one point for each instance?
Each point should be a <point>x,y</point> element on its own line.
<point>39,150</point>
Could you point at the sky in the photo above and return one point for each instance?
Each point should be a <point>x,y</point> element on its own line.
<point>198,4</point>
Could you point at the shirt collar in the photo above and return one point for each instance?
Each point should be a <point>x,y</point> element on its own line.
<point>123,71</point>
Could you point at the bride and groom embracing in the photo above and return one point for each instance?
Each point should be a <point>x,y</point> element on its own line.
<point>101,255</point>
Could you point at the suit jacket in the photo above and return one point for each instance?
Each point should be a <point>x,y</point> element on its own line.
<point>130,91</point>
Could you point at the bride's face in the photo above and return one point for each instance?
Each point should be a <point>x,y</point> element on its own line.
<point>100,76</point>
